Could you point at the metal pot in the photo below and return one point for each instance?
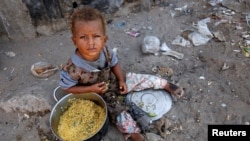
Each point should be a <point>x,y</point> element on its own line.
<point>63,104</point>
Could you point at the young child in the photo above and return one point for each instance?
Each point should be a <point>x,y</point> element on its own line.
<point>94,68</point>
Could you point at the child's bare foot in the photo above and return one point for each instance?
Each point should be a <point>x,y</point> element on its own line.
<point>137,137</point>
<point>174,90</point>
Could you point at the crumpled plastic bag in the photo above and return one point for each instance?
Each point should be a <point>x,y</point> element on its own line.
<point>170,52</point>
<point>43,69</point>
<point>198,39</point>
<point>151,44</point>
<point>179,40</point>
<point>203,28</point>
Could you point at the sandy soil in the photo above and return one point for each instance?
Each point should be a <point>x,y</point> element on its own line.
<point>213,94</point>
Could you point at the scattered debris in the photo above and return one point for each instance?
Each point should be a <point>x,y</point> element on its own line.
<point>245,48</point>
<point>163,71</point>
<point>209,83</point>
<point>179,40</point>
<point>247,18</point>
<point>11,54</point>
<point>167,51</point>
<point>184,10</point>
<point>198,38</point>
<point>219,35</point>
<point>43,69</point>
<point>121,24</point>
<point>26,116</point>
<point>203,28</point>
<point>199,34</point>
<point>225,67</point>
<point>214,2</point>
<point>227,11</point>
<point>133,33</point>
<point>238,27</point>
<point>220,22</point>
<point>151,44</point>
<point>202,77</point>
<point>236,6</point>
<point>236,50</point>
<point>245,35</point>
<point>223,105</point>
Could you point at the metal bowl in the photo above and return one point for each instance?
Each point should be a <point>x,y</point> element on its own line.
<point>153,102</point>
<point>63,105</point>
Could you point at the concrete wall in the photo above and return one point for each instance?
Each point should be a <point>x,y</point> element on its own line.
<point>15,20</point>
<point>26,19</point>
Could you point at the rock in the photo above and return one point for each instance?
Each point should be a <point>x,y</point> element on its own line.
<point>26,101</point>
<point>153,137</point>
<point>50,28</point>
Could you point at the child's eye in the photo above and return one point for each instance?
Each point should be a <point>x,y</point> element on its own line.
<point>82,37</point>
<point>97,36</point>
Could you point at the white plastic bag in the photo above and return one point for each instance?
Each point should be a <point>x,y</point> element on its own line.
<point>181,42</point>
<point>151,44</point>
<point>203,28</point>
<point>167,51</point>
<point>198,39</point>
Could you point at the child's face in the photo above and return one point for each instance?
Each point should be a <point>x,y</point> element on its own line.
<point>89,38</point>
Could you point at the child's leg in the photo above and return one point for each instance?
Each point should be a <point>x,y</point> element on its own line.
<point>138,82</point>
<point>126,124</point>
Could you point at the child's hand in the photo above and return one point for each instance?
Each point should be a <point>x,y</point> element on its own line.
<point>123,87</point>
<point>99,88</point>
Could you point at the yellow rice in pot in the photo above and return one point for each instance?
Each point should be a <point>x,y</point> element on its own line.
<point>81,120</point>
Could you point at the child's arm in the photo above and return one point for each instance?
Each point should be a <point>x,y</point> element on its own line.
<point>119,75</point>
<point>70,85</point>
<point>99,88</point>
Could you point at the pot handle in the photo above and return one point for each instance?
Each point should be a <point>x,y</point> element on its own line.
<point>54,93</point>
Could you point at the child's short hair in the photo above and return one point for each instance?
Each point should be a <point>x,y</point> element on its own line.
<point>86,14</point>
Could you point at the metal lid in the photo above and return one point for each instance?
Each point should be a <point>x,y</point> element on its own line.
<point>154,102</point>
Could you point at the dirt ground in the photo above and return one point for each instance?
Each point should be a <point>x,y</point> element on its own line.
<point>215,75</point>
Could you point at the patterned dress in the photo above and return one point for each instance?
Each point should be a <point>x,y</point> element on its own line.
<point>115,101</point>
